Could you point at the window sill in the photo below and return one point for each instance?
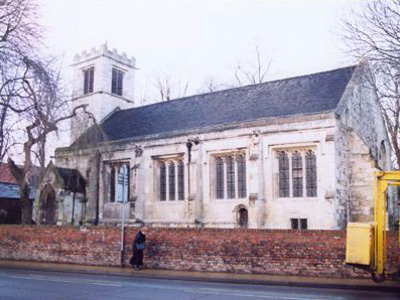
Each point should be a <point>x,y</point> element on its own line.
<point>171,202</point>
<point>118,204</point>
<point>229,200</point>
<point>297,198</point>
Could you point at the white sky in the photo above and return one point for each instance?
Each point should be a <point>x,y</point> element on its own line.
<point>197,40</point>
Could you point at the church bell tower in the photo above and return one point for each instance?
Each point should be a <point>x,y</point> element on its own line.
<point>103,80</point>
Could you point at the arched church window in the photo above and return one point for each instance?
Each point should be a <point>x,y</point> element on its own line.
<point>311,174</point>
<point>283,161</point>
<point>170,180</point>
<point>230,176</point>
<point>297,174</point>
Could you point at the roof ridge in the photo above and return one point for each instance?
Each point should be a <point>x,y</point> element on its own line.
<point>236,88</point>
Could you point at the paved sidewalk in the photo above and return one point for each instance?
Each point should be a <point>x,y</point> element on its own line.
<point>365,284</point>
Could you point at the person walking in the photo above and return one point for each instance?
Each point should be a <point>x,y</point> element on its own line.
<point>139,244</point>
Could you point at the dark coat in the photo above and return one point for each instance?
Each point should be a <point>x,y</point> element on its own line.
<point>139,238</point>
<point>137,258</point>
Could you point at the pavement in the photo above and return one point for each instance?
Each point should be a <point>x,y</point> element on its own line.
<point>260,279</point>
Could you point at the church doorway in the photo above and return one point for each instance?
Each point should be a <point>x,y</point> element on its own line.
<point>243,218</point>
<point>47,208</point>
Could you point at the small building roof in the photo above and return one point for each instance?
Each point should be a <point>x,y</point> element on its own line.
<point>8,184</point>
<point>5,174</point>
<point>10,191</point>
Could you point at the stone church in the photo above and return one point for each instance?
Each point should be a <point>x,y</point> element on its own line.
<point>296,153</point>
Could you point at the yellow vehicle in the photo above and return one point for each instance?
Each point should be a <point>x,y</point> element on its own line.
<point>366,242</point>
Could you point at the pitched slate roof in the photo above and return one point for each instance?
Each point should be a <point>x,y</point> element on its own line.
<point>9,190</point>
<point>8,184</point>
<point>308,94</point>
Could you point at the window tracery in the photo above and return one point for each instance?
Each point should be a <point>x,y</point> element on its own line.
<point>171,180</point>
<point>118,181</point>
<point>230,176</point>
<point>297,173</point>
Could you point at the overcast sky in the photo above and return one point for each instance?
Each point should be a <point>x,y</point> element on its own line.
<point>198,40</point>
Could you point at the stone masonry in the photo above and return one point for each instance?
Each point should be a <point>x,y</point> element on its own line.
<point>349,142</point>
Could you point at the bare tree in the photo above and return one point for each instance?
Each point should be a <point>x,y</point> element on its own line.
<point>19,31</point>
<point>41,108</point>
<point>168,88</point>
<point>254,72</point>
<point>29,90</point>
<point>7,126</point>
<point>373,32</point>
<point>19,34</point>
<point>210,85</point>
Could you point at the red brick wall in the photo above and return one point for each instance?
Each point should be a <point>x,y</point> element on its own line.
<point>92,246</point>
<point>280,252</point>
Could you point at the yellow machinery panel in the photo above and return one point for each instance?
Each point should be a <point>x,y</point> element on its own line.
<point>359,243</point>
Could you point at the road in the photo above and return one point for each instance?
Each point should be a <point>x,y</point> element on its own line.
<point>41,285</point>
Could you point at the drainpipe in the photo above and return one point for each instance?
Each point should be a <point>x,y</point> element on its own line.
<point>124,204</point>
<point>98,158</point>
<point>123,236</point>
<point>73,209</point>
<point>189,145</point>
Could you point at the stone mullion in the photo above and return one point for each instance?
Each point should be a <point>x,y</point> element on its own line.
<point>157,172</point>
<point>166,180</point>
<point>225,178</point>
<point>304,179</point>
<point>236,176</point>
<point>160,179</point>
<point>277,189</point>
<point>176,180</point>
<point>289,154</point>
<point>116,168</point>
<point>107,181</point>
<point>126,182</point>
<point>122,182</point>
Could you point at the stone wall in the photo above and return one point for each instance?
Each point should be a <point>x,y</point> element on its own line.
<point>200,207</point>
<point>361,180</point>
<point>279,252</point>
<point>342,176</point>
<point>360,134</point>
